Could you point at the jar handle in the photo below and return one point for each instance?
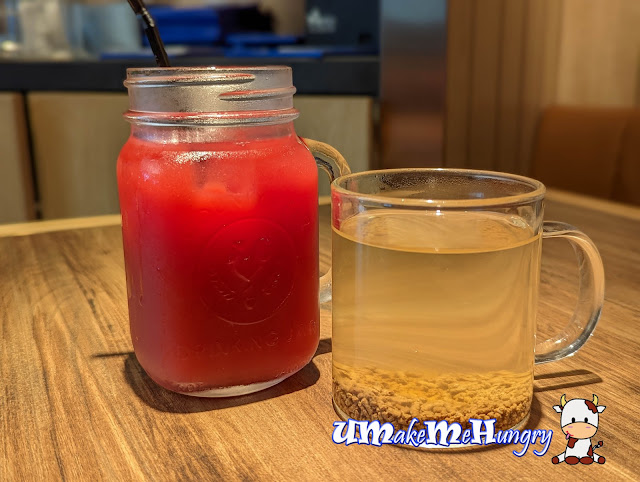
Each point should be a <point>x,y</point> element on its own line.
<point>327,158</point>
<point>590,294</point>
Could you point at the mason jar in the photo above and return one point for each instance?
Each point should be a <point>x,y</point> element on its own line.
<point>219,209</point>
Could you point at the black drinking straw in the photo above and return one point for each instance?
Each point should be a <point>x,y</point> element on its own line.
<point>151,31</point>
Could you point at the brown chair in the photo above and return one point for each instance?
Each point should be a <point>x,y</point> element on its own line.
<point>627,182</point>
<point>593,151</point>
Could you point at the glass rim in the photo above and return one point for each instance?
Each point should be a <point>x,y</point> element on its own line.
<point>537,192</point>
<point>203,74</point>
<point>207,68</point>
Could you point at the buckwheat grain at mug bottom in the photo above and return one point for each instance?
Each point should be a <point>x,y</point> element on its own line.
<point>398,397</point>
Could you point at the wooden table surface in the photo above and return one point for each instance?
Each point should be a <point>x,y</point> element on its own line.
<point>76,405</point>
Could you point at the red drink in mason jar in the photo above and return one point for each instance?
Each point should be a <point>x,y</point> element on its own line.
<point>219,219</point>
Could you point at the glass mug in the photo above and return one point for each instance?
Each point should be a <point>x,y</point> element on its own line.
<point>219,204</point>
<point>435,275</point>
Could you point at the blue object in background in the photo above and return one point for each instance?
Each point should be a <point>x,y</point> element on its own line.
<point>260,39</point>
<point>241,51</point>
<point>216,25</point>
<point>186,26</point>
<point>233,32</point>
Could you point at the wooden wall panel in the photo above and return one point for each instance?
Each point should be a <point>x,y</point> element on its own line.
<point>460,29</point>
<point>485,70</point>
<point>76,140</point>
<point>508,60</point>
<point>510,78</point>
<point>540,65</point>
<point>600,53</point>
<point>16,182</point>
<point>501,73</point>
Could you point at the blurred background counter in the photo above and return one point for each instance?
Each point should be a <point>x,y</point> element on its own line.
<point>547,88</point>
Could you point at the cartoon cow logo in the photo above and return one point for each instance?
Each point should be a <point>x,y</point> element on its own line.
<point>579,422</point>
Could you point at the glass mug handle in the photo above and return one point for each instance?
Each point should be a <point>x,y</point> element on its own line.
<point>590,294</point>
<point>326,158</point>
